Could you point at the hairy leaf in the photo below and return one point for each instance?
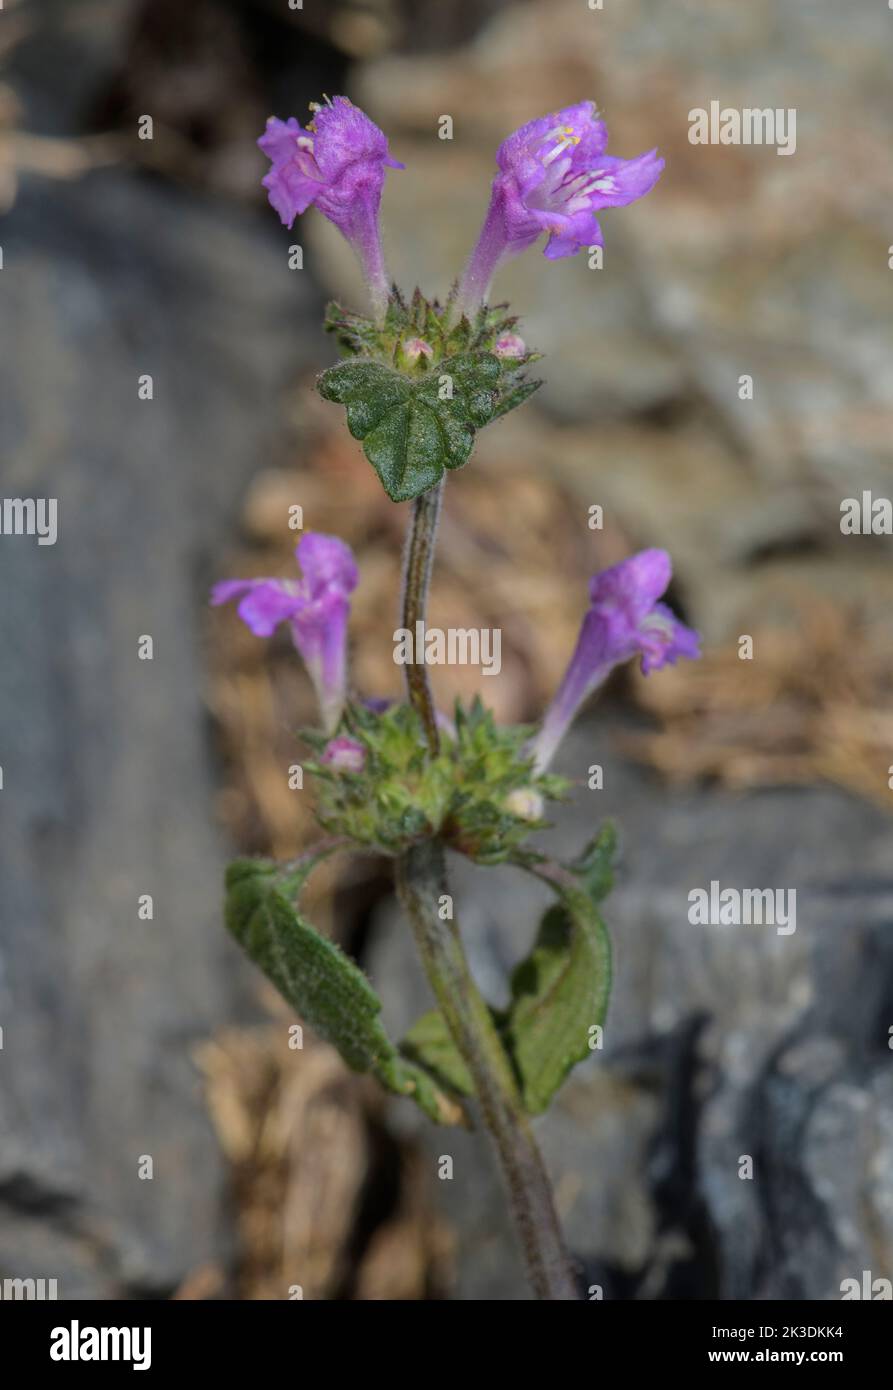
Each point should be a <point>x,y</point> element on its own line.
<point>429,1043</point>
<point>321,983</point>
<point>511,399</point>
<point>558,992</point>
<point>561,990</point>
<point>412,428</point>
<point>595,866</point>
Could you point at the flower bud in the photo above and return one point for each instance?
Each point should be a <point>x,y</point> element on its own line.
<point>525,803</point>
<point>412,350</point>
<point>510,345</point>
<point>344,754</point>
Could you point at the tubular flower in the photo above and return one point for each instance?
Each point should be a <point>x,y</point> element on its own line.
<point>316,606</point>
<point>624,620</point>
<point>338,163</point>
<point>554,177</point>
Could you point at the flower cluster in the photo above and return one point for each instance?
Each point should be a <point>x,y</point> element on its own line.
<point>553,178</point>
<point>625,620</point>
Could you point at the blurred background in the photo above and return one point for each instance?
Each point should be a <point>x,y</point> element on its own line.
<point>124,1038</point>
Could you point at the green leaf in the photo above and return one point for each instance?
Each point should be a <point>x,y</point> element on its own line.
<point>595,866</point>
<point>409,433</point>
<point>558,993</point>
<point>319,981</point>
<point>354,332</point>
<point>511,399</point>
<point>561,990</point>
<point>429,1043</point>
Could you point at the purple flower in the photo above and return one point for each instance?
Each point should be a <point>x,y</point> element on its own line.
<point>554,176</point>
<point>344,754</point>
<point>316,607</point>
<point>510,345</point>
<point>624,620</point>
<point>338,162</point>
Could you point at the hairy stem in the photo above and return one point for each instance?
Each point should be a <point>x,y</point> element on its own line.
<point>416,579</point>
<point>421,885</point>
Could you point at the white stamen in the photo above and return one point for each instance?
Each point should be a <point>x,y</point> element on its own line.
<point>565,136</point>
<point>559,149</point>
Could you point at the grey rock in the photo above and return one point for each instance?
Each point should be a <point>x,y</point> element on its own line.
<point>107,779</point>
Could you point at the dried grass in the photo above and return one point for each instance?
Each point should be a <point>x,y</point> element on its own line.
<point>813,705</point>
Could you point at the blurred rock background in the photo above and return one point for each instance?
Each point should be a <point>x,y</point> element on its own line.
<point>124,1038</point>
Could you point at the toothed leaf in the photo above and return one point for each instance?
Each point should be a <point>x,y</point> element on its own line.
<point>410,428</point>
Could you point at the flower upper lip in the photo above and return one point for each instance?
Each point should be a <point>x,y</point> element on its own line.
<point>338,164</point>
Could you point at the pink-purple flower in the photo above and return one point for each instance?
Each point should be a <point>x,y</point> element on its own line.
<point>338,163</point>
<point>625,619</point>
<point>509,345</point>
<point>316,606</point>
<point>554,177</point>
<point>344,754</point>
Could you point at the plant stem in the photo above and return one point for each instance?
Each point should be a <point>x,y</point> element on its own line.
<point>416,579</point>
<point>421,885</point>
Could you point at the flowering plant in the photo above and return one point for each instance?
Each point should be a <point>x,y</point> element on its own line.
<point>418,379</point>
